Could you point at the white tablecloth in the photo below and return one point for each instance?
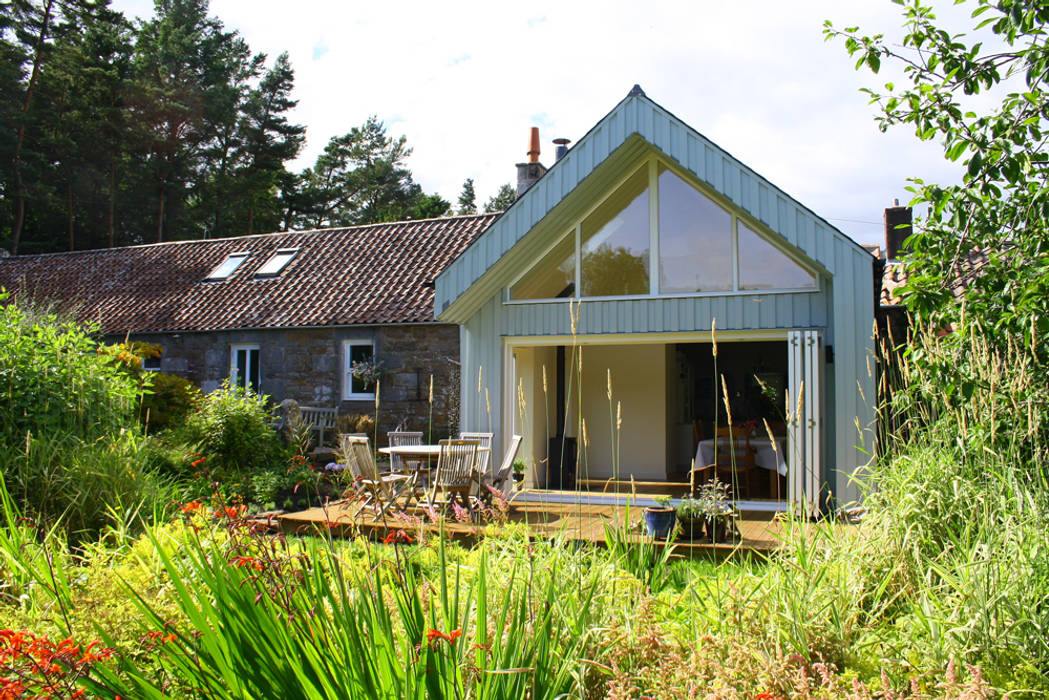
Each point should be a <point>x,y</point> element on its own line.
<point>764,455</point>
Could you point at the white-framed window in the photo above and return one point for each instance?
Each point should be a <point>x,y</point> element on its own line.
<point>227,267</point>
<point>151,364</point>
<point>276,264</point>
<point>356,350</point>
<point>657,234</point>
<point>244,366</point>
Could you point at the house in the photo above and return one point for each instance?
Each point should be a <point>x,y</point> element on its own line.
<point>286,313</point>
<point>623,263</point>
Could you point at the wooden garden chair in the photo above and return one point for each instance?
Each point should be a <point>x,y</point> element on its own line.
<point>379,491</point>
<point>455,472</point>
<point>503,479</point>
<point>484,451</point>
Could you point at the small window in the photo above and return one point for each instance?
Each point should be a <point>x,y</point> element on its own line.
<point>359,352</point>
<point>228,266</point>
<point>277,263</point>
<point>244,367</point>
<point>151,364</point>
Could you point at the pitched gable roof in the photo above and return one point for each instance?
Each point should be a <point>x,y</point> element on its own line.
<point>635,126</point>
<point>375,274</point>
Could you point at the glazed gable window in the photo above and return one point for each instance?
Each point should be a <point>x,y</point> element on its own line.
<point>656,234</point>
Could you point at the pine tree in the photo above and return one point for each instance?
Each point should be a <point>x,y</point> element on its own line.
<point>467,198</point>
<point>502,199</point>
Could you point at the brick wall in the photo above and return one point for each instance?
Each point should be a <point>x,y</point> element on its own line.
<point>307,365</point>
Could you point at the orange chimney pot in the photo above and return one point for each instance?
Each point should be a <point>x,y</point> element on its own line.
<point>533,146</point>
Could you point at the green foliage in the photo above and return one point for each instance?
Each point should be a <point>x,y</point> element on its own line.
<point>501,200</point>
<point>468,198</point>
<point>169,401</point>
<point>232,434</point>
<point>987,238</point>
<point>53,381</point>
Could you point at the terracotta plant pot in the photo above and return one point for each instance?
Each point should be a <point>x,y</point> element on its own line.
<point>659,522</point>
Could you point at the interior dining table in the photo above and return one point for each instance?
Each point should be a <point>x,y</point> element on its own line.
<point>767,455</point>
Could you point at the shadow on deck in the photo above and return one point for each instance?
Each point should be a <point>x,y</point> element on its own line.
<point>573,521</point>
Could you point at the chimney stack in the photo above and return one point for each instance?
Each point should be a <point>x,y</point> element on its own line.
<point>528,173</point>
<point>561,148</point>
<point>897,228</point>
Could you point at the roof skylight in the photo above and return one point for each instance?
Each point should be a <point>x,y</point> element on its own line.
<point>277,263</point>
<point>227,266</point>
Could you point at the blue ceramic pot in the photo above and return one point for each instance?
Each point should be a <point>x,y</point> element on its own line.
<point>659,522</point>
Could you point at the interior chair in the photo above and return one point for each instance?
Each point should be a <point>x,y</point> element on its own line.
<point>733,465</point>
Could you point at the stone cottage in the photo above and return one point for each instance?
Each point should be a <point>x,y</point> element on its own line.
<point>285,313</point>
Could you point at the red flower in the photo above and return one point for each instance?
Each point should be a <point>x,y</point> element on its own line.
<point>191,507</point>
<point>249,562</point>
<point>198,462</point>
<point>435,635</point>
<point>397,537</point>
<point>233,512</point>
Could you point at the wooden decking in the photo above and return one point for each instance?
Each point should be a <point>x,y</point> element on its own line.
<point>577,521</point>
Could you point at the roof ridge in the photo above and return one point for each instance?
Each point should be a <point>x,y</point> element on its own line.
<point>330,229</point>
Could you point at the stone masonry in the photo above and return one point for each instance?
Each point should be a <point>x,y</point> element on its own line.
<point>307,365</point>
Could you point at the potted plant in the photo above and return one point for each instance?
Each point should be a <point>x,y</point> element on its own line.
<point>519,471</point>
<point>717,511</point>
<point>659,519</point>
<point>691,516</point>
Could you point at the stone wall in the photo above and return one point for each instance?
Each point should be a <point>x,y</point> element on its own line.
<point>307,365</point>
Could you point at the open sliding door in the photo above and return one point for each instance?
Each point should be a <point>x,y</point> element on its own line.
<point>803,420</point>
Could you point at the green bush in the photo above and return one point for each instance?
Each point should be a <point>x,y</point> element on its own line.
<point>70,446</point>
<point>53,380</point>
<point>232,434</point>
<point>169,401</point>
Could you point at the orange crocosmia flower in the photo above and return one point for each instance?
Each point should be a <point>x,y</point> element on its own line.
<point>191,507</point>
<point>249,562</point>
<point>198,462</point>
<point>433,635</point>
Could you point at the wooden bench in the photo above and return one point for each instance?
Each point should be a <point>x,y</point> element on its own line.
<point>320,419</point>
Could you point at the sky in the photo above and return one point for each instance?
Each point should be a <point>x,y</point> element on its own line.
<point>465,81</point>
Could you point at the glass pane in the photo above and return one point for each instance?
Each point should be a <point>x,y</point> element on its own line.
<point>241,368</point>
<point>360,353</point>
<point>615,243</point>
<point>227,266</point>
<point>552,277</point>
<point>695,239</point>
<point>253,370</point>
<point>277,263</point>
<point>764,266</point>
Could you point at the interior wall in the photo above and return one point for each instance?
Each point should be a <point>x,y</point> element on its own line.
<point>639,385</point>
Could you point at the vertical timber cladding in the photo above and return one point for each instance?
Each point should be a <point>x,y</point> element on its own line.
<point>804,412</point>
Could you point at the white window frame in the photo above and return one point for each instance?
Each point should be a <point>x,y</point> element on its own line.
<point>233,375</point>
<point>214,275</point>
<point>154,368</point>
<point>288,254</point>
<point>347,380</point>
<point>652,163</point>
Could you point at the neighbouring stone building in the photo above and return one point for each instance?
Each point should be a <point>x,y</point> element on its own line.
<point>286,313</point>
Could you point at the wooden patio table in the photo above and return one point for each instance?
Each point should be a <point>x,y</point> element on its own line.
<point>418,455</point>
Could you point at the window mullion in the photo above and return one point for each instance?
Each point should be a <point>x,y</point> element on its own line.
<point>653,228</point>
<point>735,253</point>
<point>578,259</point>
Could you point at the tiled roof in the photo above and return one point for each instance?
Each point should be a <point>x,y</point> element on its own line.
<point>375,274</point>
<point>893,277</point>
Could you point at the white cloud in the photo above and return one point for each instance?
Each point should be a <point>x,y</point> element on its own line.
<point>464,81</point>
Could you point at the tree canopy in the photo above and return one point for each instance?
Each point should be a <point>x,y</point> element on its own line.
<point>982,251</point>
<point>114,134</point>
